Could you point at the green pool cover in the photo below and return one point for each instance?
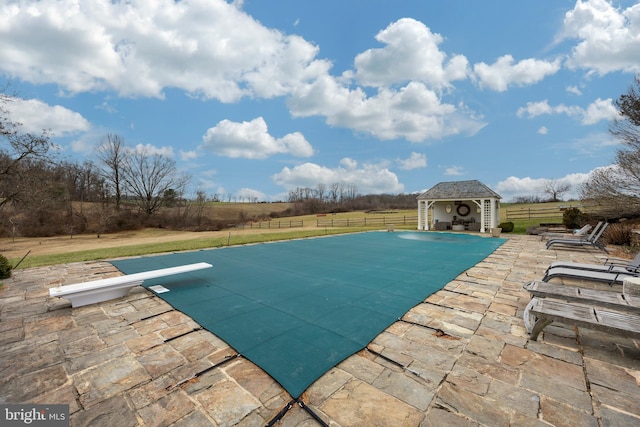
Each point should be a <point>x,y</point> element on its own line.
<point>297,308</point>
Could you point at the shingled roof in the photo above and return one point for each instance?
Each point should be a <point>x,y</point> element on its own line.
<point>458,190</point>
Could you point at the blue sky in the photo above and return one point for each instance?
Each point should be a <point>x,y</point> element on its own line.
<point>254,98</point>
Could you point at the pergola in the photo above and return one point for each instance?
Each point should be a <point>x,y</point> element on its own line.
<point>459,205</point>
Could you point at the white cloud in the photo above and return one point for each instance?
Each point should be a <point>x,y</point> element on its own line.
<point>84,144</point>
<point>250,195</point>
<point>600,109</point>
<point>504,73</point>
<point>188,155</point>
<point>454,171</point>
<point>152,150</point>
<point>415,161</point>
<point>594,144</point>
<point>409,74</point>
<point>368,178</point>
<point>412,112</point>
<point>349,164</point>
<point>513,187</point>
<point>206,47</point>
<point>213,49</point>
<point>205,181</point>
<point>543,130</point>
<point>211,188</point>
<point>37,116</point>
<point>252,140</point>
<point>411,53</point>
<point>574,90</point>
<point>534,109</point>
<point>609,37</point>
<point>106,106</point>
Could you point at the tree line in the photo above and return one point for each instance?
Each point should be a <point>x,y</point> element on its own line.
<point>123,187</point>
<point>127,187</point>
<point>344,197</point>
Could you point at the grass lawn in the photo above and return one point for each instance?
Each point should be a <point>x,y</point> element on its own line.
<point>66,254</point>
<point>81,248</point>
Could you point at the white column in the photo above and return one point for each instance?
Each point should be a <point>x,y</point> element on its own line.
<point>494,224</point>
<point>482,218</point>
<point>427,205</point>
<point>423,214</point>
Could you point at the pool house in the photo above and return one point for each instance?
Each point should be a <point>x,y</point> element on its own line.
<point>459,206</point>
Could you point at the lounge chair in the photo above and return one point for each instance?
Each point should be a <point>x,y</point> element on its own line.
<point>580,234</point>
<point>593,240</point>
<point>610,265</point>
<point>599,312</point>
<point>617,300</point>
<point>543,311</point>
<point>609,277</point>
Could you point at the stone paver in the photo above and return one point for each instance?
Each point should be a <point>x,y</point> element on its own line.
<point>460,358</point>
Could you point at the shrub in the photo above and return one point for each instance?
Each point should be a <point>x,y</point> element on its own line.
<point>5,268</point>
<point>618,234</point>
<point>125,220</point>
<point>507,227</point>
<point>573,218</point>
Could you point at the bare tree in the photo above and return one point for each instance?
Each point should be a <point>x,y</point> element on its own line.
<point>113,155</point>
<point>555,189</point>
<point>321,189</point>
<point>334,192</point>
<point>200,203</point>
<point>174,197</point>
<point>613,190</point>
<point>148,177</point>
<point>17,148</point>
<point>351,191</point>
<point>616,188</point>
<point>627,127</point>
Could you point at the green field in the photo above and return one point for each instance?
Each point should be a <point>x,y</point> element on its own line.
<point>258,210</point>
<point>173,246</point>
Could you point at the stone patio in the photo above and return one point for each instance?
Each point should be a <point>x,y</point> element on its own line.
<point>461,358</point>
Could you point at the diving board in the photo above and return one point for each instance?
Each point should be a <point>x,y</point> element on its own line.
<point>116,287</point>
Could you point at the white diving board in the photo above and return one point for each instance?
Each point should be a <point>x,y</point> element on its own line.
<point>115,287</point>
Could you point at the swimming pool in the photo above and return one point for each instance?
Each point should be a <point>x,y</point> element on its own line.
<point>297,308</point>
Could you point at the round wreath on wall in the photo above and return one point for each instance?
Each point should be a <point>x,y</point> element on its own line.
<point>463,210</point>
